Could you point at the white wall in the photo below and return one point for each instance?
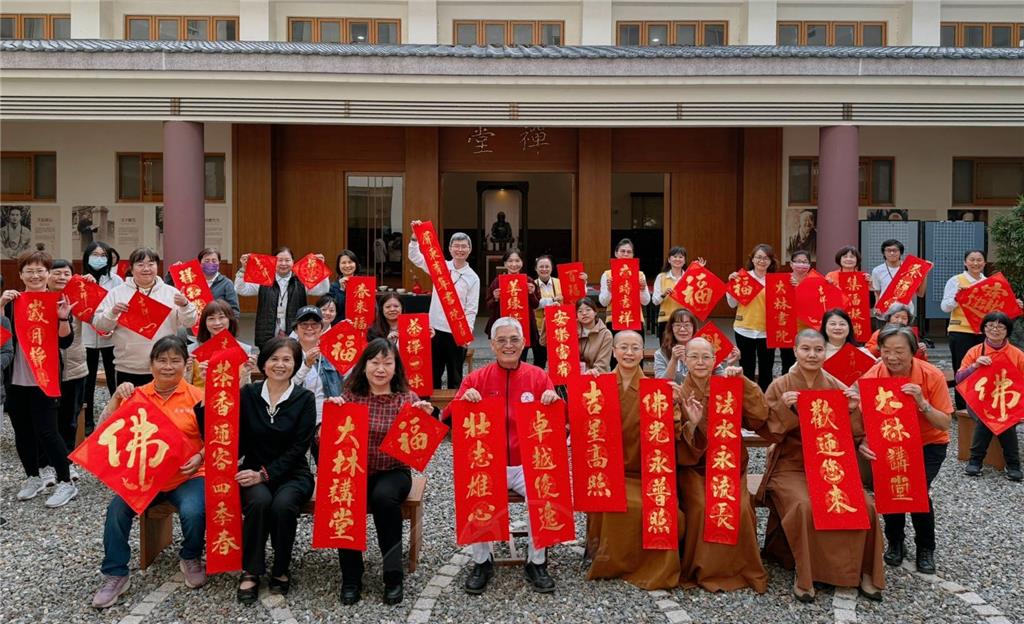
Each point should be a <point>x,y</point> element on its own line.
<point>982,11</point>
<point>891,12</point>
<point>637,10</point>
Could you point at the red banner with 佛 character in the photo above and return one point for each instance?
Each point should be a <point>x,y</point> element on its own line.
<point>144,315</point>
<point>723,480</point>
<point>479,445</point>
<point>904,285</point>
<point>413,437</point>
<point>361,301</point>
<point>546,472</point>
<point>260,269</point>
<point>984,296</point>
<point>342,345</point>
<point>848,364</point>
<point>311,270</point>
<point>223,494</point>
<point>720,343</point>
<point>414,349</point>
<point>698,290</point>
<point>37,326</point>
<point>815,296</point>
<point>744,288</point>
<point>426,235</point>
<point>993,392</point>
<point>339,512</point>
<point>570,277</point>
<point>830,461</point>
<point>595,427</point>
<point>563,340</point>
<point>658,465</point>
<point>855,286</point>
<point>514,301</point>
<point>87,294</point>
<point>624,307</point>
<point>188,278</point>
<point>780,310</point>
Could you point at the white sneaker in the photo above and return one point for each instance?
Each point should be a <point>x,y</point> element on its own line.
<point>48,475</point>
<point>63,494</point>
<point>30,488</point>
<point>74,473</point>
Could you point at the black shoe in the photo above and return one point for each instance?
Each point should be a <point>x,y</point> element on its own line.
<point>972,469</point>
<point>392,594</point>
<point>250,595</point>
<point>277,586</point>
<point>350,594</point>
<point>895,553</point>
<point>538,575</point>
<point>1014,474</point>
<point>926,561</point>
<point>476,582</point>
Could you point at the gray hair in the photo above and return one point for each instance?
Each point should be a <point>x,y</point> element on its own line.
<point>461,236</point>
<point>506,321</point>
<point>896,308</point>
<point>809,334</point>
<point>898,330</point>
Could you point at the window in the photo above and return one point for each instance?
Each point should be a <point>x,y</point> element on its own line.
<point>374,214</point>
<point>140,177</point>
<point>35,26</point>
<point>502,33</point>
<point>979,35</point>
<point>875,181</point>
<point>344,30</point>
<point>988,181</point>
<point>856,34</point>
<point>672,33</point>
<point>180,28</point>
<point>28,176</point>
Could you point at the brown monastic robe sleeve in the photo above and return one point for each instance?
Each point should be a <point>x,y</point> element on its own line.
<point>691,439</point>
<point>781,419</point>
<point>755,408</point>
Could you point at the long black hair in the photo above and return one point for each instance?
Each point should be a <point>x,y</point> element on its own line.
<point>843,315</point>
<point>112,259</point>
<point>674,251</point>
<point>358,384</point>
<point>381,327</point>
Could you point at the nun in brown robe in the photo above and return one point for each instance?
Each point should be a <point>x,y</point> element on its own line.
<point>615,540</point>
<point>715,567</point>
<point>840,558</point>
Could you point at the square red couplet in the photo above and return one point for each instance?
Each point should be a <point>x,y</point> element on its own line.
<point>413,437</point>
<point>144,315</point>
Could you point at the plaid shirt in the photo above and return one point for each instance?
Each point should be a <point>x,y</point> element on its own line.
<point>383,410</point>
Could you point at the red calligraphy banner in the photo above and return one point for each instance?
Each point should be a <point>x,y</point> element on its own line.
<point>223,494</point>
<point>563,340</point>
<point>848,364</point>
<point>339,512</point>
<point>993,392</point>
<point>625,286</point>
<point>815,296</point>
<point>135,451</point>
<point>361,301</point>
<point>542,443</point>
<point>413,437</point>
<point>830,461</point>
<point>260,269</point>
<point>595,427</point>
<point>514,301</point>
<point>481,483</point>
<point>570,278</point>
<point>189,279</point>
<point>719,341</point>
<point>905,283</point>
<point>744,288</point>
<point>87,294</point>
<point>222,341</point>
<point>894,434</point>
<point>144,315</point>
<point>311,270</point>
<point>442,278</point>
<point>855,286</point>
<point>698,290</point>
<point>35,322</point>
<point>984,296</point>
<point>723,479</point>
<point>342,345</point>
<point>4,335</point>
<point>414,349</point>
<point>780,312</point>
<point>658,465</point>
<point>123,266</point>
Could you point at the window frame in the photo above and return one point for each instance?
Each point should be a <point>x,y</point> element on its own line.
<point>975,162</point>
<point>539,30</point>
<point>343,28</point>
<point>154,22</point>
<point>672,26</point>
<point>627,23</point>
<point>830,39</point>
<point>1016,32</point>
<point>863,162</point>
<point>481,24</point>
<point>669,34</point>
<point>155,198</point>
<point>31,196</point>
<point>48,18</point>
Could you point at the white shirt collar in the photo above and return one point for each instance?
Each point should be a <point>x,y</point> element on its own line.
<point>283,279</point>
<point>265,394</point>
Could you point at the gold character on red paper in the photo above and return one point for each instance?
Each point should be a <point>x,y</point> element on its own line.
<point>893,430</point>
<point>822,415</point>
<point>597,485</point>
<point>723,459</point>
<point>224,543</point>
<point>1003,397</point>
<point>723,516</point>
<point>722,486</point>
<point>838,501</point>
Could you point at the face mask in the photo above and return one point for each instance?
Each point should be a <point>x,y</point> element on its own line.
<point>210,268</point>
<point>98,262</point>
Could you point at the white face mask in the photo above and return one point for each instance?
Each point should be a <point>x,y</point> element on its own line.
<point>98,262</point>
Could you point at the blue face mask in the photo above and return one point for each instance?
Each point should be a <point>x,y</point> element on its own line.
<point>98,262</point>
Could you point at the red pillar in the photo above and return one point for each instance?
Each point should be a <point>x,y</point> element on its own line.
<point>838,157</point>
<point>184,191</point>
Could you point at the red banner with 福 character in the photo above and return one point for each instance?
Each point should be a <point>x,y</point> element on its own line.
<point>658,465</point>
<point>87,294</point>
<point>260,269</point>
<point>37,327</point>
<point>744,288</point>
<point>848,364</point>
<point>780,310</point>
<point>339,512</point>
<point>905,283</point>
<point>698,290</point>
<point>546,472</point>
<point>223,494</point>
<point>426,235</point>
<point>993,393</point>
<point>624,307</point>
<point>894,434</point>
<point>855,287</point>
<point>144,315</point>
<point>342,345</point>
<point>414,349</point>
<point>720,343</point>
<point>514,301</point>
<point>413,437</point>
<point>563,342</point>
<point>311,270</point>
<point>188,278</point>
<point>479,445</point>
<point>723,481</point>
<point>984,296</point>
<point>830,461</point>
<point>361,301</point>
<point>570,277</point>
<point>595,427</point>
<point>815,296</point>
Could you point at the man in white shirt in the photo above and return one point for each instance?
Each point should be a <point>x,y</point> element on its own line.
<point>446,355</point>
<point>883,274</point>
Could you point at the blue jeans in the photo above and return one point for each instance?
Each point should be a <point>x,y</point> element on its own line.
<point>189,498</point>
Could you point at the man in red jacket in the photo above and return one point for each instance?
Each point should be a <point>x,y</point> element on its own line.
<point>514,382</point>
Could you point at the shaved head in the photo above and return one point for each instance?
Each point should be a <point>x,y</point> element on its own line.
<point>627,333</point>
<point>699,342</point>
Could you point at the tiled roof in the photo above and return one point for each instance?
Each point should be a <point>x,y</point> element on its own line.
<point>507,52</point>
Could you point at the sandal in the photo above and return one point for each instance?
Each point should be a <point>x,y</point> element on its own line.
<point>279,586</point>
<point>248,595</point>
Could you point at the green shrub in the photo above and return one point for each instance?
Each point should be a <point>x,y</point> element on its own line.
<point>1007,232</point>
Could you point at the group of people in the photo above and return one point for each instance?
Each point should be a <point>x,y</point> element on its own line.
<point>280,413</point>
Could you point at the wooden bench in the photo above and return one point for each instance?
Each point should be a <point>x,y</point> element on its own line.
<point>965,431</point>
<point>155,525</point>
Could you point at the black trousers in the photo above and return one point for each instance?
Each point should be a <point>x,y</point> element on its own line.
<point>72,395</point>
<point>756,356</point>
<point>92,360</point>
<point>959,344</point>
<point>445,355</point>
<point>132,378</point>
<point>34,418</point>
<point>272,510</point>
<point>788,358</point>
<point>385,493</point>
<point>982,437</point>
<point>540,355</point>
<point>924,523</point>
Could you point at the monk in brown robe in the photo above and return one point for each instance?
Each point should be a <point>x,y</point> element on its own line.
<point>615,540</point>
<point>840,558</point>
<point>715,567</point>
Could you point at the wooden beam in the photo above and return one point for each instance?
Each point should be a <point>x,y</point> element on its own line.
<point>422,198</point>
<point>594,213</point>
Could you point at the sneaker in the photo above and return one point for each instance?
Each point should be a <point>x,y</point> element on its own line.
<point>74,473</point>
<point>30,488</point>
<point>48,475</point>
<point>972,469</point>
<point>63,494</point>
<point>1014,474</point>
<point>194,572</point>
<point>110,591</point>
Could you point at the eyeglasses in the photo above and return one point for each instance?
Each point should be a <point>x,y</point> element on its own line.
<point>514,341</point>
<point>700,358</point>
<point>761,259</point>
<point>310,324</point>
<point>683,325</point>
<point>995,327</point>
<point>34,272</point>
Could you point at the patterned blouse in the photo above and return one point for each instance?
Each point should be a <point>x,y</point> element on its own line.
<point>383,410</point>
